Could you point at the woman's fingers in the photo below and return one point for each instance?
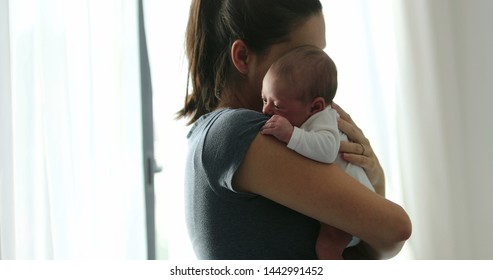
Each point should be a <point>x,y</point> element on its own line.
<point>353,132</point>
<point>359,151</point>
<point>354,148</point>
<point>342,114</point>
<point>356,153</point>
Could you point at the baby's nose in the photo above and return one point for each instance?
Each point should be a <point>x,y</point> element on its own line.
<point>267,110</point>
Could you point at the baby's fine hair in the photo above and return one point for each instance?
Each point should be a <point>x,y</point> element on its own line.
<point>310,70</point>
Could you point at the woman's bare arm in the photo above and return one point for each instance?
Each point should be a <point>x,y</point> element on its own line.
<point>323,192</point>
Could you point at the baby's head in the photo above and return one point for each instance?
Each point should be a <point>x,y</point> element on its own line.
<point>300,83</point>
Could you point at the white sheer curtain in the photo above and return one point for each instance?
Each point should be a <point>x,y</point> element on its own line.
<point>416,76</point>
<point>445,94</point>
<point>71,169</point>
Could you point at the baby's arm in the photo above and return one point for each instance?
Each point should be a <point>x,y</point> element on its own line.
<point>320,145</point>
<point>318,138</point>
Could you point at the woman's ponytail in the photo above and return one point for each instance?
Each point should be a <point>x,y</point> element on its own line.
<point>202,52</point>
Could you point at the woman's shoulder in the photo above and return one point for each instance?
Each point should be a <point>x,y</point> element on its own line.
<point>234,124</point>
<point>229,121</point>
<point>240,115</point>
<point>219,142</point>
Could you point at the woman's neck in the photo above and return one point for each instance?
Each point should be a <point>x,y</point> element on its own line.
<point>239,99</point>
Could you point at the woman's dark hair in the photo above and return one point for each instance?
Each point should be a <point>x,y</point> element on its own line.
<point>214,25</point>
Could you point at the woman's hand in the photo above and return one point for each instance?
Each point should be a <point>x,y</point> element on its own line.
<point>359,150</point>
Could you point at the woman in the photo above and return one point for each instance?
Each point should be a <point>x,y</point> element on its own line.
<point>247,195</point>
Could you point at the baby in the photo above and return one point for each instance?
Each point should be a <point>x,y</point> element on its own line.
<point>297,91</point>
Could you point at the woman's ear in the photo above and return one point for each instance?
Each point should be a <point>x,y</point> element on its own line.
<point>239,56</point>
<point>318,104</point>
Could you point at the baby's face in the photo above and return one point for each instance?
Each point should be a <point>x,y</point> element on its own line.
<point>281,99</point>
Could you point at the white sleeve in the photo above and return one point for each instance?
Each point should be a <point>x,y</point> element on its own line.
<point>318,138</point>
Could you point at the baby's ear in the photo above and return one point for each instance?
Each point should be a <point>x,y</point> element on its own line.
<point>318,104</point>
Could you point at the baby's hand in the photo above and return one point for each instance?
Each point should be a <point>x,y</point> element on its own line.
<point>279,127</point>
